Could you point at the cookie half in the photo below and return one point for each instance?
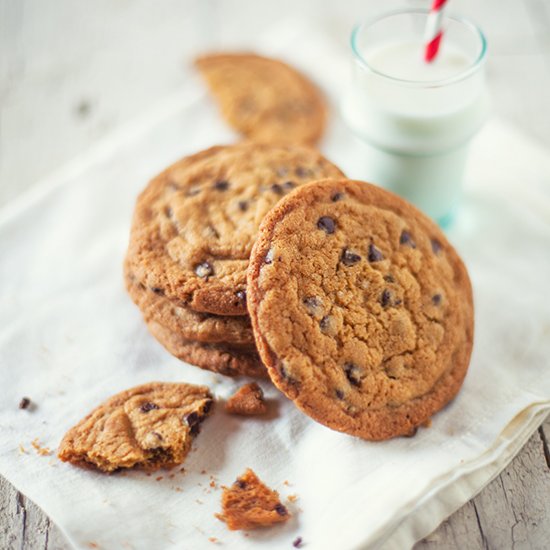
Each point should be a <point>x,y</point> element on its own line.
<point>146,427</point>
<point>189,324</point>
<point>361,308</point>
<point>195,224</point>
<point>227,359</point>
<point>265,99</point>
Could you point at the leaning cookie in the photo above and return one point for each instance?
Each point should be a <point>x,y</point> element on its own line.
<point>265,99</point>
<point>147,427</point>
<point>195,224</point>
<point>361,308</point>
<point>227,359</point>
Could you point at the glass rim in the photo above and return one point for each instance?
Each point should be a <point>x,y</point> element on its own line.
<point>472,68</point>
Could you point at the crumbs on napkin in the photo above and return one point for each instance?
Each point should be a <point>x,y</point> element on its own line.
<point>42,451</point>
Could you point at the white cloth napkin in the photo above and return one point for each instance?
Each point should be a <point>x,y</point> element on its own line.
<point>70,337</point>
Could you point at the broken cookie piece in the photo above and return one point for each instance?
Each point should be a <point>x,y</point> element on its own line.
<point>247,401</point>
<point>248,504</point>
<point>147,427</point>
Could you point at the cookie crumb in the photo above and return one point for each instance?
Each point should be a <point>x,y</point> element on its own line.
<point>297,542</point>
<point>292,498</point>
<point>25,403</point>
<point>247,400</point>
<point>203,472</point>
<point>159,478</point>
<point>42,451</point>
<point>249,503</point>
<point>22,449</point>
<point>213,539</point>
<point>427,423</point>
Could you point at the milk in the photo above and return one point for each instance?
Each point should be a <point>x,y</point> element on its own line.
<point>416,119</point>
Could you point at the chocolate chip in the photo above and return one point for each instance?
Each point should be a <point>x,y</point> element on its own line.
<point>406,238</point>
<point>241,295</point>
<point>289,184</point>
<point>327,224</point>
<point>269,257</point>
<point>302,172</point>
<point>297,542</point>
<point>349,258</point>
<point>204,269</point>
<point>374,254</point>
<point>324,323</point>
<point>436,299</point>
<point>206,408</point>
<point>281,510</point>
<point>339,394</point>
<point>148,406</point>
<point>436,246</point>
<point>241,484</point>
<point>157,435</point>
<point>221,185</point>
<point>24,403</point>
<point>337,197</point>
<point>385,298</point>
<point>169,212</point>
<point>195,429</point>
<point>157,290</point>
<point>389,278</point>
<point>398,302</point>
<point>277,189</point>
<point>192,418</point>
<point>352,374</point>
<point>243,206</point>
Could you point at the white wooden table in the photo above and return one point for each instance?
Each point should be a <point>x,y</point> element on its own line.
<point>72,71</point>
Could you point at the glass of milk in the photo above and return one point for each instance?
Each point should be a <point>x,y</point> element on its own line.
<point>417,119</point>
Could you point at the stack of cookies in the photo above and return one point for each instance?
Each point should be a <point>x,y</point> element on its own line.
<point>190,243</point>
<point>261,259</point>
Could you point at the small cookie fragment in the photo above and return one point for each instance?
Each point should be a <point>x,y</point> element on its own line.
<point>249,504</point>
<point>247,401</point>
<point>147,427</point>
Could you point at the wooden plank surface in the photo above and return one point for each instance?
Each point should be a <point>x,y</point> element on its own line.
<point>55,101</point>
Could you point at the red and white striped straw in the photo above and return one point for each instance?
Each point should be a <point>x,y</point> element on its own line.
<point>434,31</point>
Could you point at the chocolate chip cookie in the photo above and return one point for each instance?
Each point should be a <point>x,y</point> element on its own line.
<point>189,324</point>
<point>249,504</point>
<point>147,427</point>
<point>361,308</point>
<point>195,224</point>
<point>265,99</point>
<point>227,359</point>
